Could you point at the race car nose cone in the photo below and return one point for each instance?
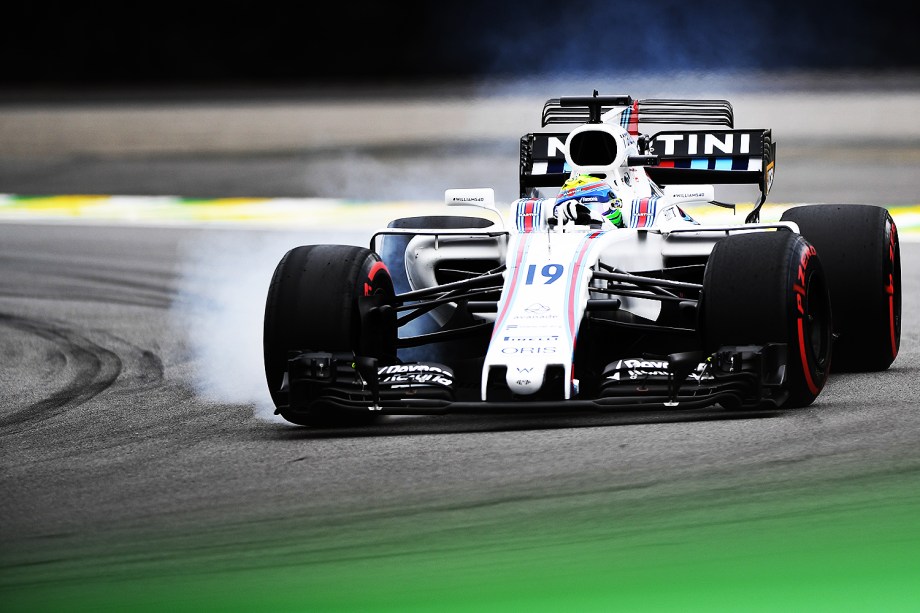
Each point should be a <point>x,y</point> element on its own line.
<point>524,380</point>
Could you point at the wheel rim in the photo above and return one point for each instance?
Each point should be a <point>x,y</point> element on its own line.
<point>817,311</point>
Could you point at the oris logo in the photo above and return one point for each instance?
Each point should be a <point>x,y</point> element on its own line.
<point>528,350</point>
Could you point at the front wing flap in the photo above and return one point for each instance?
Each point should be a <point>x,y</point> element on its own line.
<point>750,376</point>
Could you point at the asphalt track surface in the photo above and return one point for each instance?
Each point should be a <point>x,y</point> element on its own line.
<point>136,440</point>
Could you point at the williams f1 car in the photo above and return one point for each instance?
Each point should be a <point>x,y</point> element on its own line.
<point>596,289</point>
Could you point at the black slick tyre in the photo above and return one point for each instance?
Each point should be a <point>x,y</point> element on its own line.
<point>313,305</point>
<point>859,249</point>
<point>769,287</point>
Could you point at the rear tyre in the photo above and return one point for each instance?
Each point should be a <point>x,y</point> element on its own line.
<point>861,255</point>
<point>769,287</point>
<point>313,304</point>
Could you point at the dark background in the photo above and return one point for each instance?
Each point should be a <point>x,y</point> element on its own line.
<point>335,42</point>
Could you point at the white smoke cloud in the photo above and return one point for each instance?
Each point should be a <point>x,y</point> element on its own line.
<point>224,279</point>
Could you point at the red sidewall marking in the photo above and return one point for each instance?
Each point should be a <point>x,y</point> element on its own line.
<point>894,342</point>
<point>377,267</point>
<point>800,292</point>
<point>804,355</point>
<point>892,242</point>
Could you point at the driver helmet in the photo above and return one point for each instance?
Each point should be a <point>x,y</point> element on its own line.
<point>596,194</point>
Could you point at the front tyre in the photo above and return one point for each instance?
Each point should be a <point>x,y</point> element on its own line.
<point>769,287</point>
<point>861,255</point>
<point>313,305</point>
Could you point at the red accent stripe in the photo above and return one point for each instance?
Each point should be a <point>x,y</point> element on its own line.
<point>511,289</point>
<point>666,164</point>
<point>808,380</point>
<point>528,216</point>
<point>642,219</point>
<point>634,120</point>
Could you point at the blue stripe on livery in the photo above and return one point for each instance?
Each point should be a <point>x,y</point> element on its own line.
<point>732,163</point>
<point>700,164</point>
<point>624,118</point>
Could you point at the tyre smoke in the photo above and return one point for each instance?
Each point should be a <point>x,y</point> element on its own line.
<point>224,280</point>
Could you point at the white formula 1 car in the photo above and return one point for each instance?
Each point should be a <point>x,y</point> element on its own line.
<point>595,290</point>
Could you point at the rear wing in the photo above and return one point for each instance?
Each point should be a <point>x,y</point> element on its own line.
<point>710,157</point>
<point>717,156</point>
<point>582,109</point>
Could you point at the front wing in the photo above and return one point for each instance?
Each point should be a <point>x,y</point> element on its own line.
<point>748,376</point>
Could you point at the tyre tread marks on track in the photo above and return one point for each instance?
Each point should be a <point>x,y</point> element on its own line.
<point>95,368</point>
<point>116,285</point>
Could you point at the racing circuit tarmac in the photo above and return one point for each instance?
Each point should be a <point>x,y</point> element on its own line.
<point>140,465</point>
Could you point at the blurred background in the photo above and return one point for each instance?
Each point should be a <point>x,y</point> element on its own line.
<point>375,101</point>
<point>249,43</point>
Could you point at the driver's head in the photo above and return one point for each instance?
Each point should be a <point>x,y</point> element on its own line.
<point>590,191</point>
